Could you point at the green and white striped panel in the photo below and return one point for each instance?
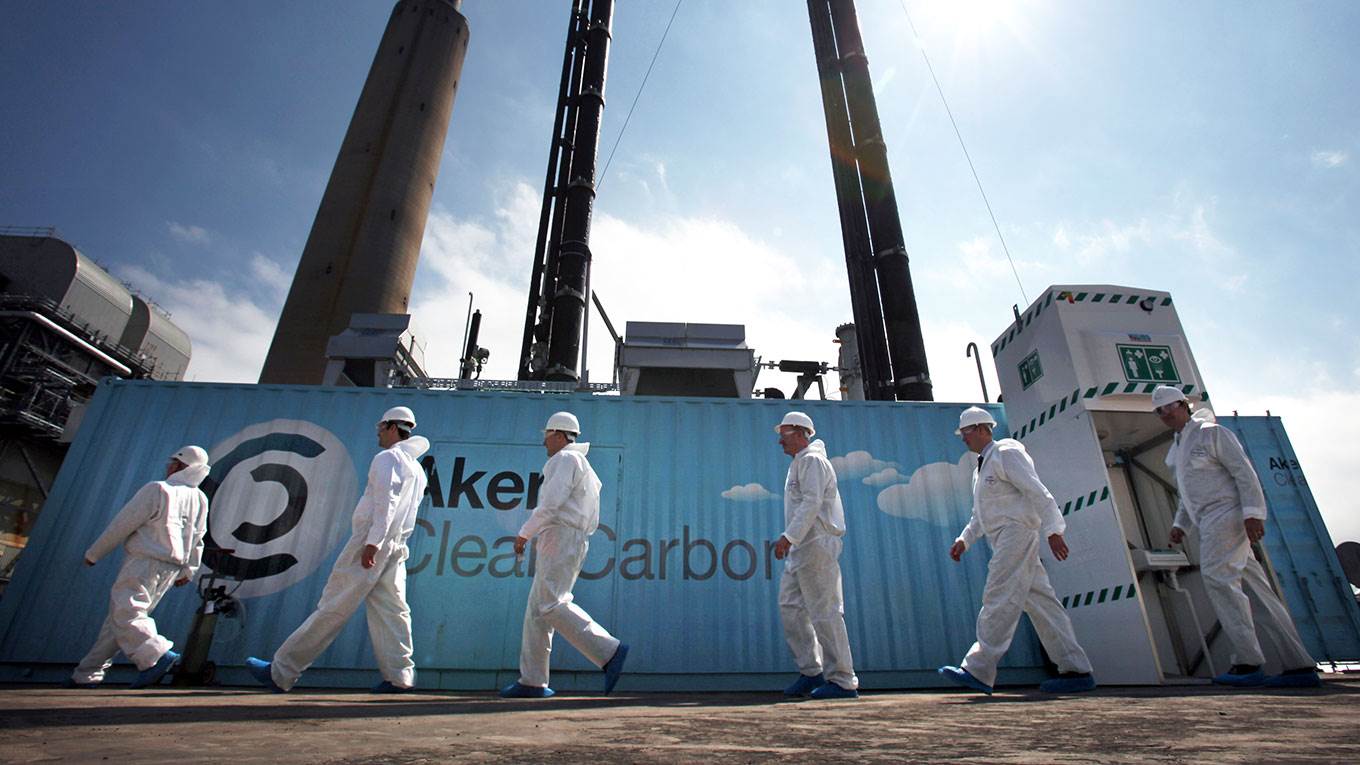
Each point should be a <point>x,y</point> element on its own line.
<point>1070,297</point>
<point>1046,416</point>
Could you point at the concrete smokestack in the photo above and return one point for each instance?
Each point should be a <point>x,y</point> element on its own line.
<point>361,254</point>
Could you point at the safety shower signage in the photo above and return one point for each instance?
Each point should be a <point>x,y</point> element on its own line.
<point>1148,363</point>
<point>1030,370</point>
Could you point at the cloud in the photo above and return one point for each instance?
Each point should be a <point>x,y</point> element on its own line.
<point>978,261</point>
<point>931,490</point>
<point>1201,236</point>
<point>1109,239</point>
<point>642,271</point>
<point>1060,238</point>
<point>489,258</point>
<point>884,477</point>
<point>858,464</point>
<point>751,492</point>
<point>230,332</point>
<point>1330,159</point>
<point>270,274</point>
<point>188,234</point>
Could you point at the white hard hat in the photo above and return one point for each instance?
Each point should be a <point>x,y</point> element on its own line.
<point>399,414</point>
<point>799,419</point>
<point>563,421</point>
<point>974,415</point>
<point>191,456</point>
<point>1166,394</point>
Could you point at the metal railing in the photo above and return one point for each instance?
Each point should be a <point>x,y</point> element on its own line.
<point>132,358</point>
<point>528,386</point>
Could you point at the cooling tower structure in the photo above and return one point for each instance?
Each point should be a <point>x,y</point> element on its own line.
<point>361,254</point>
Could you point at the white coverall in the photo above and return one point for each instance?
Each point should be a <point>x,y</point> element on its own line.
<point>1218,491</point>
<point>568,513</point>
<point>811,603</point>
<point>1013,509</point>
<point>384,517</point>
<point>161,529</point>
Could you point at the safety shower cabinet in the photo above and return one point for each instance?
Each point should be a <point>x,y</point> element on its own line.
<point>1077,370</point>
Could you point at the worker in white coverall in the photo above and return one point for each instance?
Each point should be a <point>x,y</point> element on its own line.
<point>1221,495</point>
<point>811,602</point>
<point>371,569</point>
<point>1013,509</point>
<point>568,512</point>
<point>161,530</point>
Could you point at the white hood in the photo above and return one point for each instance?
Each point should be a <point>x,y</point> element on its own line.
<point>192,475</point>
<point>414,446</point>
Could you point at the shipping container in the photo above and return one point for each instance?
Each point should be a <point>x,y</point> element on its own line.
<point>681,567</point>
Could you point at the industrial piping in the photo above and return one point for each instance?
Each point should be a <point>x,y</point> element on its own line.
<point>864,303</point>
<point>543,282</point>
<point>893,300</point>
<point>573,260</point>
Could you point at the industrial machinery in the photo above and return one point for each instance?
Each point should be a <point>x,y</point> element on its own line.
<point>672,359</point>
<point>194,668</point>
<point>65,324</point>
<point>555,319</point>
<point>377,350</point>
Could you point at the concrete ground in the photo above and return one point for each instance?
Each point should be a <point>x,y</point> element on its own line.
<point>1111,725</point>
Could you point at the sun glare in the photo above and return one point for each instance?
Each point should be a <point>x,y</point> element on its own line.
<point>970,21</point>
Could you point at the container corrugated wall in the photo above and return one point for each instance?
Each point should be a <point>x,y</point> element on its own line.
<point>1301,551</point>
<point>680,568</point>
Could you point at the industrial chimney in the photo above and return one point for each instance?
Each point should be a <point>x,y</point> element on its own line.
<point>361,254</point>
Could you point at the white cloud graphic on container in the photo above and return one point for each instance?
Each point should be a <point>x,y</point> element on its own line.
<point>931,491</point>
<point>884,477</point>
<point>751,492</point>
<point>858,464</point>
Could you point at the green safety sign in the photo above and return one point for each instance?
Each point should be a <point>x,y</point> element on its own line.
<point>1148,363</point>
<point>1030,370</point>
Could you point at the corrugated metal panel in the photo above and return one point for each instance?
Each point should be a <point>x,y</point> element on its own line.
<point>680,568</point>
<point>1301,551</point>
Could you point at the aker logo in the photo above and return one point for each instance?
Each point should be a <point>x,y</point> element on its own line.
<point>280,496</point>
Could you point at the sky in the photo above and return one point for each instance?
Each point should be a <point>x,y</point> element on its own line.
<point>1207,149</point>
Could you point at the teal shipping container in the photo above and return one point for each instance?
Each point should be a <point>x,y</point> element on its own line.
<point>681,568</point>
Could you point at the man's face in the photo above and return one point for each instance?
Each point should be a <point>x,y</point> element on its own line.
<point>387,435</point>
<point>793,439</point>
<point>173,466</point>
<point>1174,415</point>
<point>554,441</point>
<point>976,437</point>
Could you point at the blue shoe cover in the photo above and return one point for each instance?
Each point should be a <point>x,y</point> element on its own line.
<point>153,674</point>
<point>1294,680</point>
<point>260,670</point>
<point>965,678</point>
<point>614,667</point>
<point>1073,684</point>
<point>387,687</point>
<point>804,685</point>
<point>517,691</point>
<point>833,691</point>
<point>1245,680</point>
